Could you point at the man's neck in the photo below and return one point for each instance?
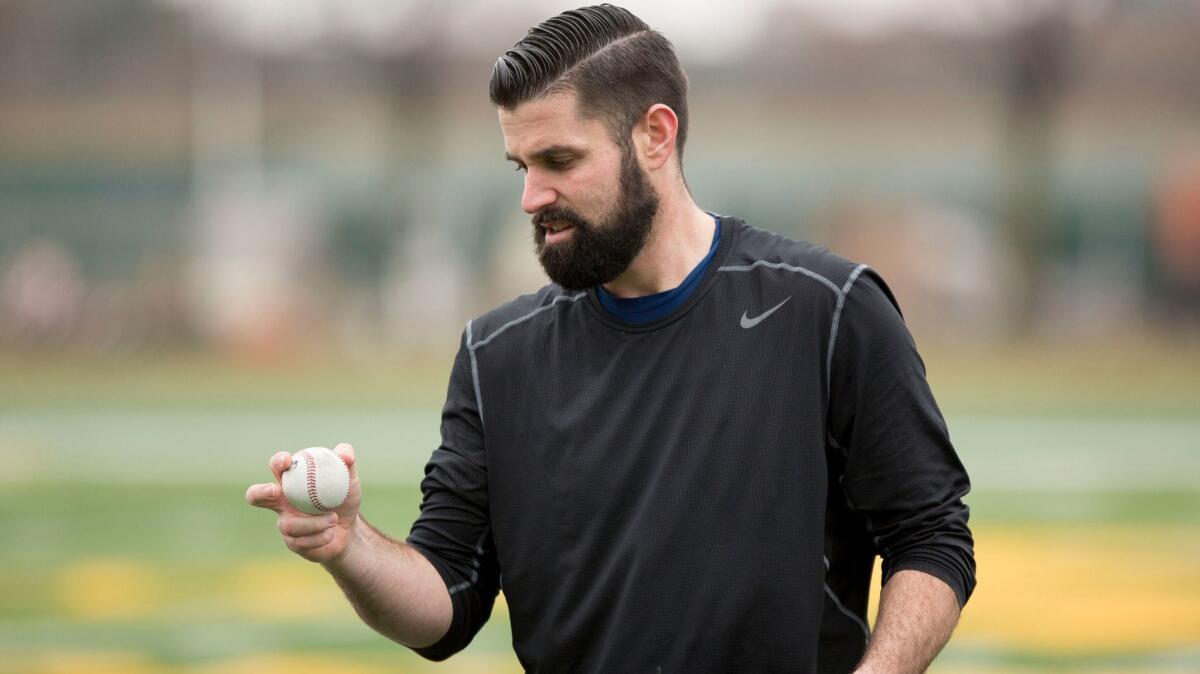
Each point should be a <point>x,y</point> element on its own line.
<point>679,239</point>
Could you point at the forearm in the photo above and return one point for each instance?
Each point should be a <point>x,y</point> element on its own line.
<point>394,589</point>
<point>917,613</point>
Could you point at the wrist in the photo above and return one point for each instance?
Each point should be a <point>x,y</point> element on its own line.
<point>355,533</point>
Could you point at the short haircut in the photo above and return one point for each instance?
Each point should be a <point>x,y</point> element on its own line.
<point>616,64</point>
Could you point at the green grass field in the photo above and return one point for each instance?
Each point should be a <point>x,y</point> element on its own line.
<point>127,546</point>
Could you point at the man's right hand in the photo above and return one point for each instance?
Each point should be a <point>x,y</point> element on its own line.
<point>395,589</point>
<point>317,538</point>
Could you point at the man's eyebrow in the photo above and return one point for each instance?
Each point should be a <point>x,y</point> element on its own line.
<point>552,152</point>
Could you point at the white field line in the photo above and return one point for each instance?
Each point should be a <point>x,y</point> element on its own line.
<point>230,446</point>
<point>1064,454</point>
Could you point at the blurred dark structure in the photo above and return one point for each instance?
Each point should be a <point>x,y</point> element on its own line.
<point>1038,56</point>
<point>171,174</point>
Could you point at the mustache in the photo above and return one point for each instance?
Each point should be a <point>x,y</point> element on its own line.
<point>558,214</point>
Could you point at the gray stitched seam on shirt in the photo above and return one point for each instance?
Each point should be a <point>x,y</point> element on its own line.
<point>833,331</point>
<point>833,441</point>
<point>545,307</point>
<point>839,292</point>
<point>475,375</point>
<point>841,297</point>
<point>837,317</point>
<point>471,348</point>
<point>843,609</point>
<point>475,563</point>
<point>788,267</point>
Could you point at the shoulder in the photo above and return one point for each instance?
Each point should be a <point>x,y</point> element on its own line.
<point>767,254</point>
<point>527,312</point>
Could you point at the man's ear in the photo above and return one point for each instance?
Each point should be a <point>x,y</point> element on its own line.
<point>654,135</point>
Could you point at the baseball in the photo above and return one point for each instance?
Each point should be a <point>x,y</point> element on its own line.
<point>317,482</point>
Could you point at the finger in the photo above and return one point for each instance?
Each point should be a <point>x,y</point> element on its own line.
<point>346,452</point>
<point>305,525</point>
<point>280,461</point>
<point>264,496</point>
<point>305,543</point>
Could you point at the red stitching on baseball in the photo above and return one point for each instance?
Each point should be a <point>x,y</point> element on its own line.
<point>310,464</point>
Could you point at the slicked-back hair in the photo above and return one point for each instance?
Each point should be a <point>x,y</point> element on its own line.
<point>616,64</point>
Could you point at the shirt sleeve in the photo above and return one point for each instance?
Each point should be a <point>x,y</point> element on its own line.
<point>453,529</point>
<point>902,474</point>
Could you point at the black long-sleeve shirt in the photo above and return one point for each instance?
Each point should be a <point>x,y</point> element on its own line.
<point>702,493</point>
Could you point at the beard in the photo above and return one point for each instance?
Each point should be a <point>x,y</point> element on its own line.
<point>598,253</point>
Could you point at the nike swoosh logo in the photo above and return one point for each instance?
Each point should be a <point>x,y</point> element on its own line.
<point>748,322</point>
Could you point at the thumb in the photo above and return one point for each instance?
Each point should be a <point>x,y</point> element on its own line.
<point>346,453</point>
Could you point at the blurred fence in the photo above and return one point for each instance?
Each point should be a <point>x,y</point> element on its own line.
<point>329,174</point>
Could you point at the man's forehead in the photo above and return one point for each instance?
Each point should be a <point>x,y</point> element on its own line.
<point>547,121</point>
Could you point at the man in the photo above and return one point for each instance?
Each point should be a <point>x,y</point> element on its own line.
<point>682,455</point>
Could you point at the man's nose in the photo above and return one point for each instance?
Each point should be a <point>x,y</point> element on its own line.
<point>537,194</point>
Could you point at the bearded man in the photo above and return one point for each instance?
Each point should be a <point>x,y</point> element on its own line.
<point>684,453</point>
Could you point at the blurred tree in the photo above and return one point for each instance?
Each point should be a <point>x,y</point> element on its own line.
<point>1037,74</point>
<point>1043,58</point>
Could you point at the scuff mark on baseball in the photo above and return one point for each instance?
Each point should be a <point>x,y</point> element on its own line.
<point>317,482</point>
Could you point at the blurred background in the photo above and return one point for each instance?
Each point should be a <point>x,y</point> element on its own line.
<point>232,228</point>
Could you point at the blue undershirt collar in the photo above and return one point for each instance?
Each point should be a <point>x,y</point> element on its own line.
<point>649,308</point>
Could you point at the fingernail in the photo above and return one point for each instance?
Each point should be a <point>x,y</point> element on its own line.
<point>270,492</point>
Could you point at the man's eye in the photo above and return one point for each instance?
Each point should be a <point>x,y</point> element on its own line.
<point>559,164</point>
